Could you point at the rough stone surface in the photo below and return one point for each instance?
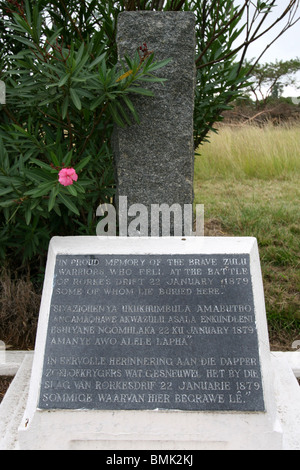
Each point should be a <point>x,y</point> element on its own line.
<point>155,160</point>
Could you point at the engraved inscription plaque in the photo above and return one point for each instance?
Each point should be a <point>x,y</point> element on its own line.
<point>145,332</point>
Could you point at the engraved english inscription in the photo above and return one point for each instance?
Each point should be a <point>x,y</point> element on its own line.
<point>152,332</point>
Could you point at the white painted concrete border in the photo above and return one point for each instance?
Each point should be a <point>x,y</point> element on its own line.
<point>13,405</point>
<point>287,392</point>
<point>293,359</point>
<point>12,362</point>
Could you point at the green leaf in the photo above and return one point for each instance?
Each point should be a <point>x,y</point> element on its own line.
<point>115,115</point>
<point>80,54</point>
<point>22,23</point>
<point>54,159</point>
<point>41,190</point>
<point>140,91</point>
<point>5,191</point>
<point>28,215</point>
<point>11,180</point>
<point>152,80</point>
<point>68,203</point>
<point>123,113</point>
<point>72,190</point>
<point>8,203</point>
<point>44,165</point>
<point>63,80</point>
<point>97,103</point>
<point>131,107</point>
<point>25,41</point>
<point>52,198</point>
<point>82,164</point>
<point>64,108</point>
<point>79,188</point>
<point>75,98</point>
<point>97,60</point>
<point>67,159</point>
<point>159,65</point>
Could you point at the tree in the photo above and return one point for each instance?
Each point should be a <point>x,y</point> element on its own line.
<point>270,79</point>
<point>65,93</point>
<point>226,32</point>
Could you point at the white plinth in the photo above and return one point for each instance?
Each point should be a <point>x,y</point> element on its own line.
<point>286,366</point>
<point>96,429</point>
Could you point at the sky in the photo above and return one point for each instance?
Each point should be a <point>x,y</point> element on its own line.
<point>285,48</point>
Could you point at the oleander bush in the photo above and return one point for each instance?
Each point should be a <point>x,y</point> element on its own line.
<point>64,94</point>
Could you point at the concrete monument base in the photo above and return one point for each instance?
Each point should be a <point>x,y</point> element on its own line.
<point>26,424</point>
<point>286,368</point>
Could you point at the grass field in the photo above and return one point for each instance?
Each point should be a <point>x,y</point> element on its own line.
<point>249,181</point>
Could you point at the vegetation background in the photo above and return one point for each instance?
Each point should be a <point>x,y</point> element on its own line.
<point>65,93</point>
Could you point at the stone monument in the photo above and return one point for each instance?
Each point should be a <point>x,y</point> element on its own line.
<point>155,159</point>
<point>153,342</point>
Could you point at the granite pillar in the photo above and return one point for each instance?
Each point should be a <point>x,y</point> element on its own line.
<point>154,160</point>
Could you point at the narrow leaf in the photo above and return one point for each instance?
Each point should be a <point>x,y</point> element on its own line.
<point>68,203</point>
<point>131,107</point>
<point>158,65</point>
<point>97,60</point>
<point>52,198</point>
<point>72,190</point>
<point>75,98</point>
<point>82,164</point>
<point>63,80</point>
<point>141,91</point>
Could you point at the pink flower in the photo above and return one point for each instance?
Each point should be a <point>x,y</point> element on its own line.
<point>67,176</point>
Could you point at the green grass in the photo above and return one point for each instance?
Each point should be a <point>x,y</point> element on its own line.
<point>248,179</point>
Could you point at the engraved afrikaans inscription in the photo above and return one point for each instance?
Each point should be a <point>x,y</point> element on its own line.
<point>152,332</point>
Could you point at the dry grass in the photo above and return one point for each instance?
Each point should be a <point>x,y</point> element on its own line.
<point>248,180</point>
<point>19,307</point>
<point>251,152</point>
<point>4,384</point>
